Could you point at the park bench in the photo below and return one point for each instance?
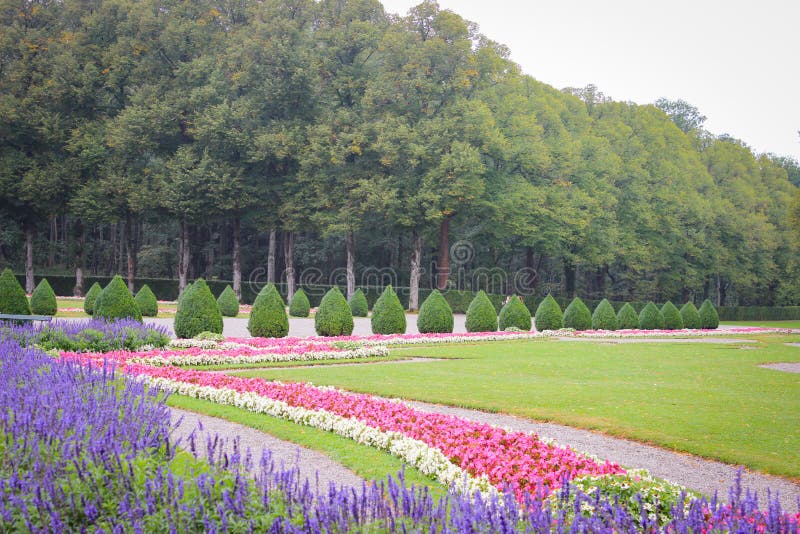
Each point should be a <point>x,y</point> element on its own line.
<point>8,317</point>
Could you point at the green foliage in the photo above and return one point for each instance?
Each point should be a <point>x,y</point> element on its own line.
<point>197,311</point>
<point>299,305</point>
<point>268,315</point>
<point>388,315</point>
<point>43,300</point>
<point>651,318</point>
<point>604,317</point>
<point>577,315</point>
<point>690,316</point>
<point>358,304</point>
<point>228,303</point>
<point>435,315</point>
<point>672,317</point>
<point>548,315</point>
<point>146,300</point>
<point>91,296</point>
<point>13,299</point>
<point>210,336</point>
<point>709,318</point>
<point>481,315</point>
<point>515,315</point>
<point>627,318</point>
<point>116,302</point>
<point>334,317</point>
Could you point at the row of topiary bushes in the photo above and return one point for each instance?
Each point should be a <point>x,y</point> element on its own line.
<point>14,301</point>
<point>578,316</point>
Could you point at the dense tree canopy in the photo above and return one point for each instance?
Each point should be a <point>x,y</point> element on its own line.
<point>181,139</point>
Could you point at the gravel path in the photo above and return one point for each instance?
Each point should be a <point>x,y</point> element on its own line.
<point>310,463</point>
<point>785,367</point>
<point>705,476</point>
<point>616,341</point>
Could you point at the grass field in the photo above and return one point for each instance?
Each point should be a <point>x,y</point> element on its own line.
<point>367,462</point>
<point>766,324</point>
<point>707,399</point>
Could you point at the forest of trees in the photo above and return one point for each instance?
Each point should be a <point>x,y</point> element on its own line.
<point>177,139</point>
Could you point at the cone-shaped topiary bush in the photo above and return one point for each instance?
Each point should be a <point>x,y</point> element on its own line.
<point>690,316</point>
<point>435,315</point>
<point>43,299</point>
<point>481,314</point>
<point>358,304</point>
<point>627,318</point>
<point>334,317</point>
<point>268,315</point>
<point>13,299</point>
<point>116,302</point>
<point>146,300</point>
<point>299,305</point>
<point>709,318</point>
<point>228,303</point>
<point>672,317</point>
<point>197,311</point>
<point>651,318</point>
<point>548,315</point>
<point>577,315</point>
<point>515,315</point>
<point>604,317</point>
<point>91,296</point>
<point>388,315</point>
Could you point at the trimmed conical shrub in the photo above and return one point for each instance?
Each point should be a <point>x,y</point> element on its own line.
<point>334,317</point>
<point>358,304</point>
<point>672,317</point>
<point>116,302</point>
<point>515,315</point>
<point>627,318</point>
<point>299,306</point>
<point>577,315</point>
<point>228,303</point>
<point>709,318</point>
<point>268,315</point>
<point>13,299</point>
<point>651,318</point>
<point>43,299</point>
<point>435,315</point>
<point>604,317</point>
<point>146,300</point>
<point>197,311</point>
<point>690,316</point>
<point>388,315</point>
<point>481,314</point>
<point>91,297</point>
<point>548,315</point>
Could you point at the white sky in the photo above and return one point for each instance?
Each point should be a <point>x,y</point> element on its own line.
<point>736,61</point>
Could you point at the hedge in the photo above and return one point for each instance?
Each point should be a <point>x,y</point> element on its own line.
<point>197,312</point>
<point>228,303</point>
<point>672,317</point>
<point>358,304</point>
<point>334,316</point>
<point>690,316</point>
<point>268,316</point>
<point>146,301</point>
<point>515,315</point>
<point>43,300</point>
<point>651,318</point>
<point>435,315</point>
<point>13,299</point>
<point>481,314</point>
<point>299,305</point>
<point>388,315</point>
<point>548,315</point>
<point>604,317</point>
<point>116,302</point>
<point>627,318</point>
<point>708,315</point>
<point>91,296</point>
<point>577,315</point>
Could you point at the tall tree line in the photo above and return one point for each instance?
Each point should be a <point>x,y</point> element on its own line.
<point>171,138</point>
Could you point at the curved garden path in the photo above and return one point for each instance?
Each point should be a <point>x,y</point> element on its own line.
<point>311,464</point>
<point>699,474</point>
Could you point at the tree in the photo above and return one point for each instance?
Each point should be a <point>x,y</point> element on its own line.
<point>481,314</point>
<point>604,317</point>
<point>388,315</point>
<point>685,116</point>
<point>548,315</point>
<point>709,318</point>
<point>91,296</point>
<point>333,317</point>
<point>299,306</point>
<point>627,318</point>
<point>147,302</point>
<point>358,304</point>
<point>268,315</point>
<point>228,303</point>
<point>13,300</point>
<point>651,318</point>
<point>672,317</point>
<point>197,311</point>
<point>515,314</point>
<point>435,315</point>
<point>116,302</point>
<point>690,316</point>
<point>43,300</point>
<point>577,315</point>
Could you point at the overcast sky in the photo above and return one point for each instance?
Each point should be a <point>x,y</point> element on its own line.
<point>737,61</point>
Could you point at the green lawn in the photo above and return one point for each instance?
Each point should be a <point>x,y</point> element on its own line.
<point>764,324</point>
<point>707,399</point>
<point>367,462</point>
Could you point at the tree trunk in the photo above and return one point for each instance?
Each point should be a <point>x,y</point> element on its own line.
<point>273,240</point>
<point>288,254</point>
<point>237,257</point>
<point>416,264</point>
<point>29,259</point>
<point>570,272</point>
<point>443,269</point>
<point>601,280</point>
<point>183,257</point>
<point>130,249</point>
<point>351,264</point>
<point>80,257</point>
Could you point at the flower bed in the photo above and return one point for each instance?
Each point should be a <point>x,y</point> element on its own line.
<point>91,335</point>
